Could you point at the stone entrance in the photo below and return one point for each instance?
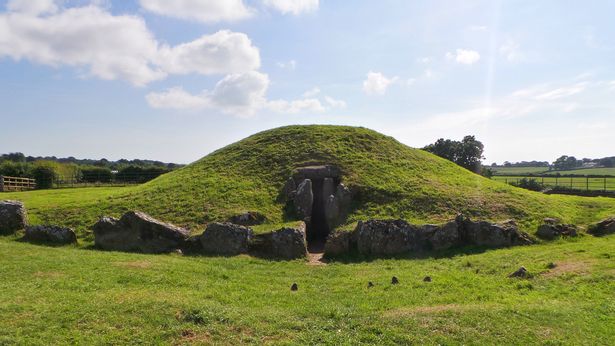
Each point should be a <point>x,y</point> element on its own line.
<point>319,199</point>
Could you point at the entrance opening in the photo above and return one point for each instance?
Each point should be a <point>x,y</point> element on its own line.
<point>317,228</point>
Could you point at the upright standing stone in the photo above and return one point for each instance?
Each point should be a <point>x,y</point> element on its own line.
<point>13,217</point>
<point>304,200</point>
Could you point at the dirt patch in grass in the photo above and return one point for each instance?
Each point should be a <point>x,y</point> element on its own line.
<point>190,337</point>
<point>134,264</point>
<point>580,267</point>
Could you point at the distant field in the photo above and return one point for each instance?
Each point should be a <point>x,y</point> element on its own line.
<point>545,170</point>
<point>519,170</point>
<point>587,171</point>
<point>579,183</point>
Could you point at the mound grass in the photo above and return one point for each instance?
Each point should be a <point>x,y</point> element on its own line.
<point>389,179</point>
<point>69,295</point>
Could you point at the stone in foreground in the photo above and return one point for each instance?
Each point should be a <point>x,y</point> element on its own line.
<point>286,243</point>
<point>603,227</point>
<point>50,234</point>
<point>13,217</point>
<point>552,228</point>
<point>137,231</point>
<point>226,239</point>
<point>482,233</point>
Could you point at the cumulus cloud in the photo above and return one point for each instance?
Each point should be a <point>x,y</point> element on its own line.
<point>115,47</point>
<point>220,53</point>
<point>241,95</point>
<point>293,6</point>
<point>464,56</point>
<point>377,84</point>
<point>33,7</point>
<point>207,11</point>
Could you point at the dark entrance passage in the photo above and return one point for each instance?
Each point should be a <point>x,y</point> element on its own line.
<point>320,200</point>
<point>318,228</point>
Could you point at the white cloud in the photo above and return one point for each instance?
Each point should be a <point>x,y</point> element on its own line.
<point>424,60</point>
<point>296,106</point>
<point>335,103</point>
<point>293,6</point>
<point>116,47</point>
<point>177,98</point>
<point>220,53</point>
<point>312,92</point>
<point>113,47</point>
<point>377,84</point>
<point>478,27</point>
<point>464,56</point>
<point>290,65</point>
<point>561,92</point>
<point>511,50</point>
<point>33,7</point>
<point>207,11</point>
<point>238,94</point>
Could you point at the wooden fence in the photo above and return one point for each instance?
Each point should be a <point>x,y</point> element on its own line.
<point>16,184</point>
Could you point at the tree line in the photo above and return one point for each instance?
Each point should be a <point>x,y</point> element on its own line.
<point>48,171</point>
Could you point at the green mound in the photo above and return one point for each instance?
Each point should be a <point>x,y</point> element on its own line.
<point>389,180</point>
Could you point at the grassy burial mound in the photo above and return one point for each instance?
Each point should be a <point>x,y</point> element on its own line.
<point>387,180</point>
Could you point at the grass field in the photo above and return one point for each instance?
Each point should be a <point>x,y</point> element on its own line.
<point>519,170</point>
<point>579,183</point>
<point>73,295</point>
<point>545,170</point>
<point>389,179</point>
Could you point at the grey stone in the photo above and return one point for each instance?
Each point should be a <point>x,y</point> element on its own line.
<point>387,237</point>
<point>338,243</point>
<point>441,237</point>
<point>483,233</point>
<point>304,200</point>
<point>286,243</point>
<point>226,239</point>
<point>249,218</point>
<point>316,172</point>
<point>50,234</point>
<point>137,231</point>
<point>13,217</point>
<point>551,230</point>
<point>520,273</point>
<point>603,227</point>
<point>290,189</point>
<point>328,189</point>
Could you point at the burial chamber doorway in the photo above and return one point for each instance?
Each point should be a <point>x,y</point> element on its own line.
<point>320,200</point>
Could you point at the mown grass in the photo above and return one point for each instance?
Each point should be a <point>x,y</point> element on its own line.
<point>545,170</point>
<point>519,170</point>
<point>68,295</point>
<point>577,183</point>
<point>389,179</point>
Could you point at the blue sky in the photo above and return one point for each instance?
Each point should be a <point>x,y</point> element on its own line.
<point>175,80</point>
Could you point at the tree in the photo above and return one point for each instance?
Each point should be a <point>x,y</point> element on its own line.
<point>566,162</point>
<point>468,153</point>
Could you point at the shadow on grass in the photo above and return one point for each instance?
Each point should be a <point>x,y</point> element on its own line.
<point>355,257</point>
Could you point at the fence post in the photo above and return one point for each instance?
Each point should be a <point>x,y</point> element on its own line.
<point>1,183</point>
<point>604,184</point>
<point>586,183</point>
